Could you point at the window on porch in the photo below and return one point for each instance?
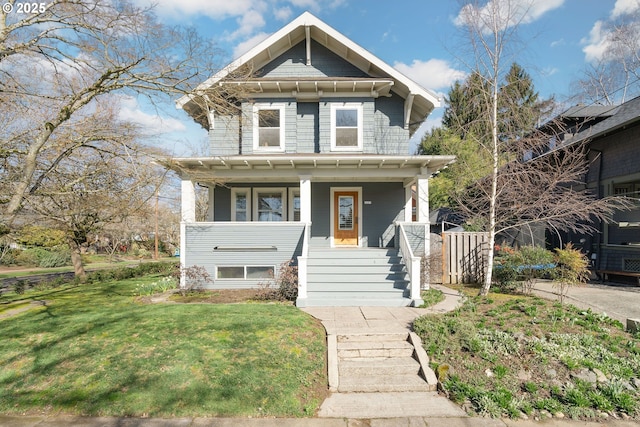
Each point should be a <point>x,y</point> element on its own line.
<point>270,204</point>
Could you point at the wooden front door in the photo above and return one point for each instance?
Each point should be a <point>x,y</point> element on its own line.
<point>345,218</point>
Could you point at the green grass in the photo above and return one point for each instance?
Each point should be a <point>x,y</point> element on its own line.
<point>431,297</point>
<point>94,350</point>
<point>512,355</point>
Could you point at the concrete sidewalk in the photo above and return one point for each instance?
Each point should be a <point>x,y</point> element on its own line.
<point>63,421</point>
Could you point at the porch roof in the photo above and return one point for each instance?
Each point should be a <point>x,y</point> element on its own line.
<point>319,167</point>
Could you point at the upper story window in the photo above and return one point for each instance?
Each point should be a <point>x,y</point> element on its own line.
<point>346,127</point>
<point>268,127</point>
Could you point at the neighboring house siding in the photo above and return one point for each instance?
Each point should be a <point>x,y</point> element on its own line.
<point>621,153</point>
<point>235,242</point>
<point>324,63</point>
<point>224,138</point>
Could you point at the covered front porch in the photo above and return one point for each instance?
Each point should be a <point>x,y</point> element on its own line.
<point>266,210</point>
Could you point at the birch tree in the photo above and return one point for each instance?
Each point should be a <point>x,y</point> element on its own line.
<point>522,186</point>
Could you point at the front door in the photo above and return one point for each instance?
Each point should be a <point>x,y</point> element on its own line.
<point>345,220</point>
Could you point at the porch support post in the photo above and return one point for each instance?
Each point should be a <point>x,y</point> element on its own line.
<point>305,217</point>
<point>305,198</point>
<point>408,201</point>
<point>188,214</point>
<point>188,201</point>
<point>210,210</point>
<point>422,198</point>
<point>422,217</point>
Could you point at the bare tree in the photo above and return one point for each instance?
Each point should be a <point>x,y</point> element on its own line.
<point>104,177</point>
<point>518,190</point>
<point>57,63</point>
<point>613,75</point>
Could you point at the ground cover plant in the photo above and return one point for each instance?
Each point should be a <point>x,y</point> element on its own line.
<point>99,349</point>
<point>522,356</point>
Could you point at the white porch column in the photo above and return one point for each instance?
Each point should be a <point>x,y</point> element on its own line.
<point>305,198</point>
<point>305,217</point>
<point>210,210</point>
<point>422,199</point>
<point>188,214</point>
<point>408,201</point>
<point>188,201</point>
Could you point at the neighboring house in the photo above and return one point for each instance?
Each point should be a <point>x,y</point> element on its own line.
<point>613,137</point>
<point>315,169</point>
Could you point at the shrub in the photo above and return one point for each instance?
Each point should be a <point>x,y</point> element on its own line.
<point>157,287</point>
<point>521,267</point>
<point>193,278</point>
<point>572,268</point>
<point>283,287</point>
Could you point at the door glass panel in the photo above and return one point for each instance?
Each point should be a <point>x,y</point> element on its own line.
<point>345,213</point>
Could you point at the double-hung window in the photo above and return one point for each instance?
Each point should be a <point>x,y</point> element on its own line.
<point>346,127</point>
<point>270,204</point>
<point>240,204</point>
<point>268,127</point>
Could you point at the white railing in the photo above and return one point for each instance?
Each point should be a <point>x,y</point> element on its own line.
<point>413,265</point>
<point>302,266</point>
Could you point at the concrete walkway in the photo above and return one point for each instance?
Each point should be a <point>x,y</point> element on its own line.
<point>370,321</point>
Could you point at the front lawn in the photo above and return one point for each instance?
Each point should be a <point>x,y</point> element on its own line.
<point>525,357</point>
<point>97,350</point>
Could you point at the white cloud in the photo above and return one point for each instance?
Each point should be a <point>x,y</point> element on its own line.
<point>434,74</point>
<point>597,43</point>
<point>216,9</point>
<point>246,45</point>
<point>283,14</point>
<point>248,23</point>
<point>507,12</point>
<point>130,110</point>
<point>624,7</point>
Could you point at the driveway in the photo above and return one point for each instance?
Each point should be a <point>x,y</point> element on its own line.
<point>620,302</point>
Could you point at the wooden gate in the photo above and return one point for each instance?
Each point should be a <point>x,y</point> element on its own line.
<point>464,257</point>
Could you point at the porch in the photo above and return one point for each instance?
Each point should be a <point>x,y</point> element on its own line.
<point>245,254</point>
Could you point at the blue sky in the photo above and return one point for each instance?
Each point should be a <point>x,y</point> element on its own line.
<point>418,37</point>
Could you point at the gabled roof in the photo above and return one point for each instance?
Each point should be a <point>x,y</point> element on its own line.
<point>619,117</point>
<point>419,102</point>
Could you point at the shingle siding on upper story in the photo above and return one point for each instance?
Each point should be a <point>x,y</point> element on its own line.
<point>324,63</point>
<point>308,124</point>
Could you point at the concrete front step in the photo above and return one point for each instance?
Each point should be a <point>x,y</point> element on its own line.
<point>377,366</point>
<point>383,383</point>
<point>334,300</point>
<point>354,350</point>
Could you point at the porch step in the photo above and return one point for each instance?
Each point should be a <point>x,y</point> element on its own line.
<point>356,276</point>
<point>378,363</point>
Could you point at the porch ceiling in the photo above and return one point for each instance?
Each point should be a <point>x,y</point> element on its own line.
<point>290,167</point>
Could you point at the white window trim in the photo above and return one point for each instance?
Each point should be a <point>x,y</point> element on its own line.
<point>281,190</point>
<point>347,106</point>
<point>256,130</point>
<point>234,193</point>
<point>244,268</point>
<point>293,191</point>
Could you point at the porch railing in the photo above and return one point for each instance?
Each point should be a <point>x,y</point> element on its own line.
<point>413,265</point>
<point>302,266</point>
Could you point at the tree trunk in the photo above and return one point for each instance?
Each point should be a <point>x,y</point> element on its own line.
<point>76,260</point>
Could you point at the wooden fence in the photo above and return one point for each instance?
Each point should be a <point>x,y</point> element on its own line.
<point>464,257</point>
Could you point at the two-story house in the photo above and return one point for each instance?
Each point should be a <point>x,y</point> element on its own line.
<point>612,137</point>
<point>314,167</point>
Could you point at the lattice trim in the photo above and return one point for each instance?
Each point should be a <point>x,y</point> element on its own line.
<point>631,265</point>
